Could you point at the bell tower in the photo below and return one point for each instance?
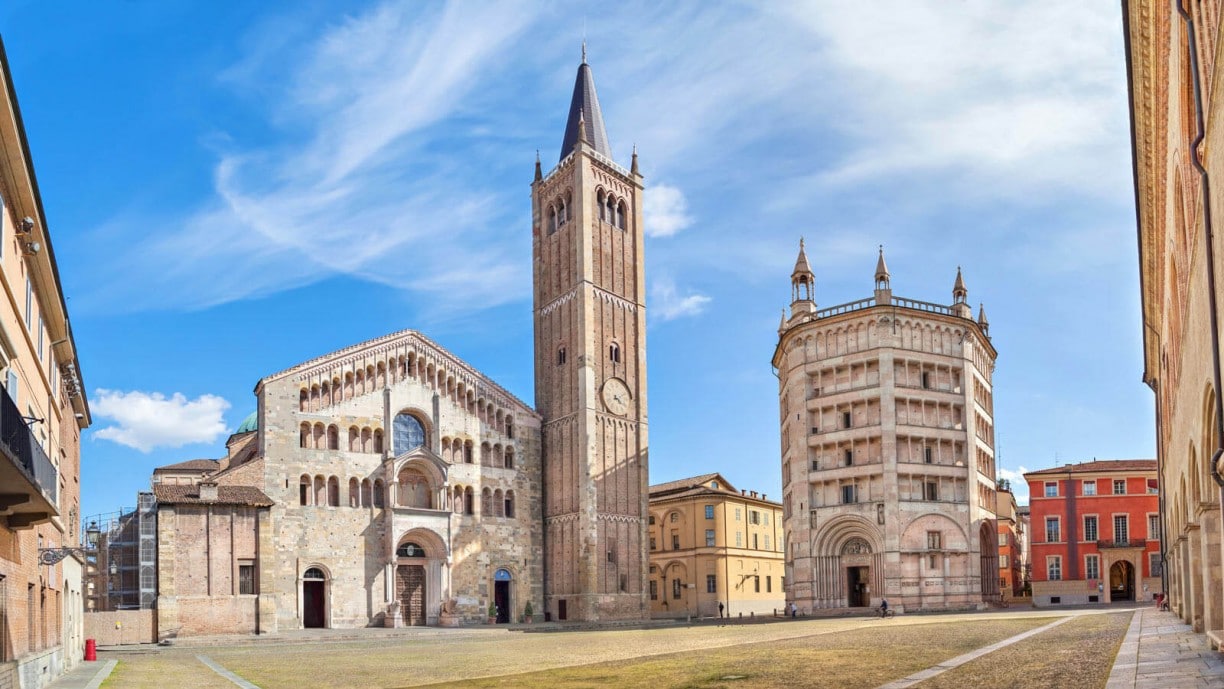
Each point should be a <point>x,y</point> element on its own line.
<point>590,370</point>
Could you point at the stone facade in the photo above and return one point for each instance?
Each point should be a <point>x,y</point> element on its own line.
<point>887,450</point>
<point>590,385</point>
<point>1172,69</point>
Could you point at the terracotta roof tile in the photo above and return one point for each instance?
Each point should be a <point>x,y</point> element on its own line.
<point>192,465</point>
<point>684,483</point>
<point>1099,466</point>
<point>226,495</point>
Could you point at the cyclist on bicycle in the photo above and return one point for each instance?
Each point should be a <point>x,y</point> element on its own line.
<point>883,607</point>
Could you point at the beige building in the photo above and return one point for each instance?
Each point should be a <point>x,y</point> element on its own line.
<point>1172,67</point>
<point>42,411</point>
<point>391,483</point>
<point>888,471</point>
<point>710,544</point>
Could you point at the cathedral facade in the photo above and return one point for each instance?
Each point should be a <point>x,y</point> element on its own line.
<point>888,466</point>
<point>392,484</point>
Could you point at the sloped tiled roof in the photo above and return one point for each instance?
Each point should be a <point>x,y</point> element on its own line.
<point>1100,466</point>
<point>191,465</point>
<point>226,495</point>
<point>685,483</point>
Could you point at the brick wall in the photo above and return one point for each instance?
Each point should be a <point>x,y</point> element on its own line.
<point>117,627</point>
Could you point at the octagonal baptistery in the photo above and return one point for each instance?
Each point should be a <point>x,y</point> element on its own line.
<point>406,486</point>
<point>888,471</point>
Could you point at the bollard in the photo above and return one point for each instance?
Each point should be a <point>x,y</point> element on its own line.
<point>91,650</point>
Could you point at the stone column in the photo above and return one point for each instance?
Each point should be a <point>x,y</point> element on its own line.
<point>1210,563</point>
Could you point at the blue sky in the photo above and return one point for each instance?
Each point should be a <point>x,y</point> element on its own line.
<point>233,188</point>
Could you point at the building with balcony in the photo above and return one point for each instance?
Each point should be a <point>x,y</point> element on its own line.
<point>42,411</point>
<point>1011,536</point>
<point>710,544</point>
<point>1172,64</point>
<point>1098,532</point>
<point>888,463</point>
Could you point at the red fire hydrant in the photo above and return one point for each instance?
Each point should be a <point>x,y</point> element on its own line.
<point>91,649</point>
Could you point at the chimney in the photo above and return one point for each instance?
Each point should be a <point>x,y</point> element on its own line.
<point>762,496</point>
<point>208,490</point>
<point>744,491</point>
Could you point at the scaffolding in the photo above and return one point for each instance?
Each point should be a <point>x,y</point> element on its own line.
<point>122,571</point>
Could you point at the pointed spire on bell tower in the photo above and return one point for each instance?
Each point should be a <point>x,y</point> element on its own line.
<point>982,322</point>
<point>782,324</point>
<point>539,174</point>
<point>883,291</point>
<point>803,284</point>
<point>634,166</point>
<point>960,294</point>
<point>585,120</point>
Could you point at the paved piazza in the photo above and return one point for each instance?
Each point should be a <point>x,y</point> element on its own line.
<point>940,650</point>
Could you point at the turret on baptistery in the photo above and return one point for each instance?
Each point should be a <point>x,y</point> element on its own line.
<point>960,296</point>
<point>883,292</point>
<point>803,285</point>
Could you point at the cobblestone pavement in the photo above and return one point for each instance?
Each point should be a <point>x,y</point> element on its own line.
<point>1162,652</point>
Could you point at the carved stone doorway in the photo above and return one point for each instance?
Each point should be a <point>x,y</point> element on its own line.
<point>410,581</point>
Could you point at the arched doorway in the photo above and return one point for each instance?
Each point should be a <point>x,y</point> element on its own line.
<point>1121,581</point>
<point>856,556</point>
<point>501,595</point>
<point>410,582</point>
<point>314,598</point>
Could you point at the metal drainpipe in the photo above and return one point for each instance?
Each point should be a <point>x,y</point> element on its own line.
<point>1160,495</point>
<point>1208,233</point>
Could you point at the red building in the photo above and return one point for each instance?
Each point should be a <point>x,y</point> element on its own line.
<point>1095,532</point>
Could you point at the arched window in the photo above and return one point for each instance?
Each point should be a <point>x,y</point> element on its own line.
<point>509,507</point>
<point>325,393</point>
<point>378,440</point>
<point>333,438</point>
<point>467,452</point>
<point>620,215</point>
<point>304,490</point>
<point>614,353</point>
<point>304,401</point>
<point>333,492</point>
<point>486,455</point>
<point>314,398</point>
<point>560,355</point>
<point>469,501</point>
<point>562,215</point>
<point>499,503</point>
<point>354,493</point>
<point>317,440</point>
<point>599,201</point>
<point>367,493</point>
<point>354,444</point>
<point>509,457</point>
<point>380,494</point>
<point>611,209</point>
<point>509,426</point>
<point>552,220</point>
<point>486,503</point>
<point>320,491</point>
<point>408,432</point>
<point>314,574</point>
<point>305,435</point>
<point>367,443</point>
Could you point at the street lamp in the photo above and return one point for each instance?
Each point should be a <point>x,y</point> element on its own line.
<point>52,556</point>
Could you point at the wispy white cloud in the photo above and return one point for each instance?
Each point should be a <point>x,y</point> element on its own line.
<point>150,420</point>
<point>666,211</point>
<point>347,183</point>
<point>667,303</point>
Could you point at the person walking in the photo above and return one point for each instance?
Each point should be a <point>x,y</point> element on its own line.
<point>720,613</point>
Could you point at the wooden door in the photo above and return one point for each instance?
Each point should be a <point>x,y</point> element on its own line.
<point>411,584</point>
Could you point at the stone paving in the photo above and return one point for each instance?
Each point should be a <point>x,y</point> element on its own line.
<point>1162,652</point>
<point>1158,652</point>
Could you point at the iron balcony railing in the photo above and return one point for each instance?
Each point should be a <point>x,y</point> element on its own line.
<point>1132,543</point>
<point>20,445</point>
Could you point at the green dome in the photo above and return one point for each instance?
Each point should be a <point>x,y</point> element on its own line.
<point>249,424</point>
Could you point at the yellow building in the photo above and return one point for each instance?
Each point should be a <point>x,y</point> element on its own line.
<point>710,543</point>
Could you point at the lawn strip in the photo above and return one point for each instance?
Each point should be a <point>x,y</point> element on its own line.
<point>861,658</point>
<point>162,670</point>
<point>1075,655</point>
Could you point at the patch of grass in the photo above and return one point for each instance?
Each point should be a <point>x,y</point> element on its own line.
<point>1075,655</point>
<point>161,670</point>
<point>859,658</point>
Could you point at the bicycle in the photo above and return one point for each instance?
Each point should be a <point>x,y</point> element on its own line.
<point>884,612</point>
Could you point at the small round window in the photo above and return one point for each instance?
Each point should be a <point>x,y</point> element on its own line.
<point>409,433</point>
